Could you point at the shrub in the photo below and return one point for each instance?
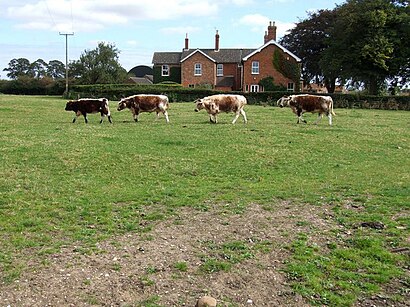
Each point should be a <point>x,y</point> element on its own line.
<point>177,93</point>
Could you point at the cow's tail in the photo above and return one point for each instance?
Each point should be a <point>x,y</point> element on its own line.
<point>331,107</point>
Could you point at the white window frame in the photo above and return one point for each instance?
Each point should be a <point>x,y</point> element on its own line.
<point>255,68</point>
<point>219,70</point>
<point>197,69</point>
<point>254,88</point>
<point>165,71</point>
<point>291,87</point>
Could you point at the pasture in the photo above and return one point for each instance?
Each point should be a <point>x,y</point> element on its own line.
<point>156,214</point>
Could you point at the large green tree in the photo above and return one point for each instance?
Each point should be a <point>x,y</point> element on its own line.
<point>17,68</point>
<point>38,69</point>
<point>98,66</point>
<point>369,42</point>
<point>56,69</point>
<point>308,40</point>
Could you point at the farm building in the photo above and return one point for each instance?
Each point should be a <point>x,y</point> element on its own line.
<point>249,70</point>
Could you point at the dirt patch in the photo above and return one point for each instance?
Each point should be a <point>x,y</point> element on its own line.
<point>164,265</point>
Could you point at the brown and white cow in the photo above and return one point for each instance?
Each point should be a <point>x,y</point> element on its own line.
<point>89,105</point>
<point>222,103</point>
<point>145,103</point>
<point>308,103</point>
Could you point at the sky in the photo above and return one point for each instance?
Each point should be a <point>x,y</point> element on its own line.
<point>32,29</point>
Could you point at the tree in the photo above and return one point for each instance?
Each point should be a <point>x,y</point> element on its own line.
<point>56,69</point>
<point>367,42</point>
<point>99,66</point>
<point>18,67</point>
<point>38,69</point>
<point>308,40</point>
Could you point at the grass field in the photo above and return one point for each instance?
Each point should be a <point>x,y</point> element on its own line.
<point>67,184</point>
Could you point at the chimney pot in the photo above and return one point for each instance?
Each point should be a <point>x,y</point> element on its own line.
<point>186,42</point>
<point>216,41</point>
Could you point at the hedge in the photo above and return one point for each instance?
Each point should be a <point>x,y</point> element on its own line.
<point>176,93</point>
<point>32,86</point>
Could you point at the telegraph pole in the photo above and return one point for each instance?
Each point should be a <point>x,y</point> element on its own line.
<point>66,59</point>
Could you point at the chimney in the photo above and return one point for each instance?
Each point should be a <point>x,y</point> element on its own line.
<point>186,42</point>
<point>271,33</point>
<point>216,41</point>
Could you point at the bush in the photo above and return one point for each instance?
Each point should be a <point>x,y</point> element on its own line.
<point>32,86</point>
<point>178,94</point>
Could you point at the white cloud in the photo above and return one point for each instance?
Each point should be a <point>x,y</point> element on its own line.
<point>242,2</point>
<point>256,22</point>
<point>132,43</point>
<point>179,30</point>
<point>97,14</point>
<point>259,23</point>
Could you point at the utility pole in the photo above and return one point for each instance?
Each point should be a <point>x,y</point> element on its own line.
<point>66,59</point>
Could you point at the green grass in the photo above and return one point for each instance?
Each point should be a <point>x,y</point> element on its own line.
<point>63,183</point>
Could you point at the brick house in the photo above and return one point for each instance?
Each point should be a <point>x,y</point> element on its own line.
<point>249,70</point>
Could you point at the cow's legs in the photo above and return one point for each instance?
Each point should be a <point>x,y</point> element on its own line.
<point>245,120</point>
<point>300,118</point>
<point>85,118</point>
<point>136,116</point>
<point>78,113</point>
<point>330,118</point>
<point>166,115</point>
<point>236,117</point>
<point>212,118</point>
<point>319,118</point>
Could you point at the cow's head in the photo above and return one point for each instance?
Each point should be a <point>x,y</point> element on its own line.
<point>122,104</point>
<point>69,106</point>
<point>284,101</point>
<point>199,105</point>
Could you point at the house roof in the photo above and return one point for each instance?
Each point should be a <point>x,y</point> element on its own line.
<point>166,58</point>
<point>221,56</point>
<point>272,42</point>
<point>192,53</point>
<point>147,79</point>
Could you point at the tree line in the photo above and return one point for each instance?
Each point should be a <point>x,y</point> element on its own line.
<point>364,43</point>
<point>97,66</point>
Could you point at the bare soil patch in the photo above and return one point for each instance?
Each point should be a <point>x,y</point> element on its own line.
<point>135,269</point>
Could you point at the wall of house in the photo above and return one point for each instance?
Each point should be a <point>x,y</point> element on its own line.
<point>208,76</point>
<point>266,68</point>
<point>232,69</point>
<point>174,74</point>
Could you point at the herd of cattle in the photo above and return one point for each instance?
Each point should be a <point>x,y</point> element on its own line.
<point>214,105</point>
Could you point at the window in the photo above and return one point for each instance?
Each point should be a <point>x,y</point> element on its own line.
<point>220,70</point>
<point>165,70</point>
<point>291,87</point>
<point>254,88</point>
<point>255,68</point>
<point>198,69</point>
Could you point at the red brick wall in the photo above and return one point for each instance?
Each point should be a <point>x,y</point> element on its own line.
<point>208,71</point>
<point>266,69</point>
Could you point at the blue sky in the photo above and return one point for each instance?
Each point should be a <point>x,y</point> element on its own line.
<point>30,28</point>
